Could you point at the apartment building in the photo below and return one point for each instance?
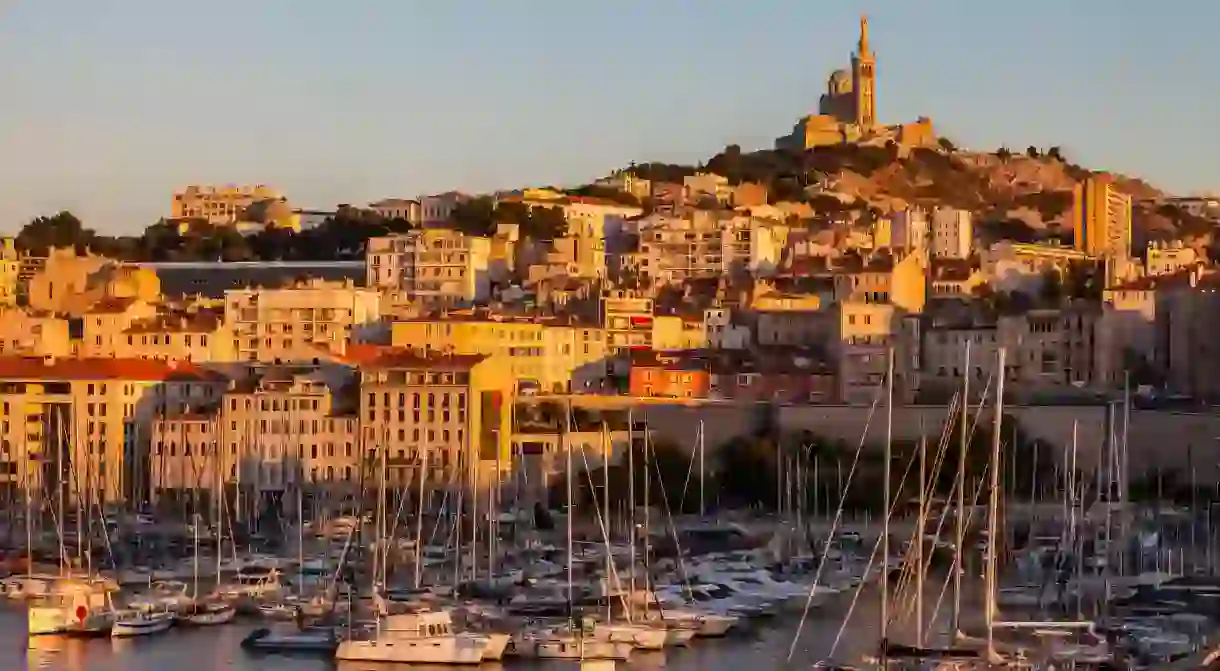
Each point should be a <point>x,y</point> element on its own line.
<point>30,333</point>
<point>1101,217</point>
<point>292,323</point>
<point>407,209</point>
<point>952,233</point>
<point>909,230</point>
<point>279,430</point>
<point>707,185</point>
<point>1129,333</point>
<point>884,279</point>
<point>186,336</point>
<point>864,334</point>
<point>82,426</point>
<point>675,250</point>
<point>220,205</point>
<point>751,245</point>
<point>675,375</point>
<point>543,354</point>
<point>1188,319</point>
<point>433,267</point>
<point>437,210</point>
<point>1161,258</point>
<point>450,409</point>
<point>1015,266</point>
<point>10,272</point>
<point>627,317</point>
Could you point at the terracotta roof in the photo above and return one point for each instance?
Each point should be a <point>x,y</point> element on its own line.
<point>204,322</point>
<point>952,270</point>
<point>382,356</point>
<point>50,368</point>
<point>112,305</point>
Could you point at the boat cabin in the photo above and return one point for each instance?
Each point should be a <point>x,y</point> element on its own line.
<point>420,625</point>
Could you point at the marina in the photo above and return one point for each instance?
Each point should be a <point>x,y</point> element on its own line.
<point>958,568</point>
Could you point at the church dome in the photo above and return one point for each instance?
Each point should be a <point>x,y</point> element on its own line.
<point>839,82</point>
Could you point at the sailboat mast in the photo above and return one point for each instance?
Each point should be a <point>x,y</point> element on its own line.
<point>919,533</point>
<point>885,505</point>
<point>702,506</point>
<point>959,541</point>
<point>567,448</point>
<point>606,513</point>
<point>993,507</point>
<point>631,498</point>
<point>419,519</point>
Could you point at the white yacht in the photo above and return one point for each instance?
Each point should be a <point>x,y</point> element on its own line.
<point>416,638</point>
<point>70,603</point>
<point>128,623</point>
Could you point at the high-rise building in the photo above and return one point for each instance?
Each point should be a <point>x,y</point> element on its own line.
<point>952,233</point>
<point>1101,218</point>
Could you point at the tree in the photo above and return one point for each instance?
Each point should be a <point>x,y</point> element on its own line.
<point>1051,290</point>
<point>947,144</point>
<point>1056,153</point>
<point>1031,151</point>
<point>60,230</point>
<point>1003,153</point>
<point>474,217</point>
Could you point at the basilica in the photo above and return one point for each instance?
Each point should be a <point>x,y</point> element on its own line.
<point>847,111</point>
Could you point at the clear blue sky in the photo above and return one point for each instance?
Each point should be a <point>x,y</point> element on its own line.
<point>106,106</point>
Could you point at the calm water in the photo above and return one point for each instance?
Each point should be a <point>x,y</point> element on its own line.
<point>207,649</point>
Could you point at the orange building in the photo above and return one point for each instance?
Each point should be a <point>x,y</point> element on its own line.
<point>669,375</point>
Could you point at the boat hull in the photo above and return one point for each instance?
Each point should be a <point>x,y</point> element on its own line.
<point>211,617</point>
<point>454,651</point>
<point>143,626</point>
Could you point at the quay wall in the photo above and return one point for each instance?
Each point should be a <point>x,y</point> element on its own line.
<point>1157,439</point>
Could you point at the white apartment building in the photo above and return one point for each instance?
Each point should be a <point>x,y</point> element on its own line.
<point>952,233</point>
<point>433,267</point>
<point>909,229</point>
<point>291,323</point>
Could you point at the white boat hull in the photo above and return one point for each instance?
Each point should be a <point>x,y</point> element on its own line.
<point>142,625</point>
<point>441,650</point>
<point>581,649</point>
<point>212,616</point>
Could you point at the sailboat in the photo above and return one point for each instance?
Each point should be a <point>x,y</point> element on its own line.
<point>67,603</point>
<point>209,612</point>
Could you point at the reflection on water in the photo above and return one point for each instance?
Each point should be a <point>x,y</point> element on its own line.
<point>219,648</point>
<point>389,666</point>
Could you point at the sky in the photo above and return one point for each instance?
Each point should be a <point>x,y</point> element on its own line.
<point>108,106</point>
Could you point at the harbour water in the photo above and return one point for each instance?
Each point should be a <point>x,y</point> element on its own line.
<point>214,649</point>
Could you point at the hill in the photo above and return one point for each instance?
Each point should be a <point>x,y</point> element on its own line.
<point>1006,191</point>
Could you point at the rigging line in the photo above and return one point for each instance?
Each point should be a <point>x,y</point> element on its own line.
<point>834,525</point>
<point>946,436</point>
<point>602,523</point>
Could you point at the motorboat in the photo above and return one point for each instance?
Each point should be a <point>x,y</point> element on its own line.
<point>416,638</point>
<point>310,640</point>
<point>253,581</point>
<point>573,645</point>
<point>642,636</point>
<point>129,623</point>
<point>209,614</point>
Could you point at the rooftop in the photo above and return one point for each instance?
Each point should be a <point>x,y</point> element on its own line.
<point>150,370</point>
<point>385,357</point>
